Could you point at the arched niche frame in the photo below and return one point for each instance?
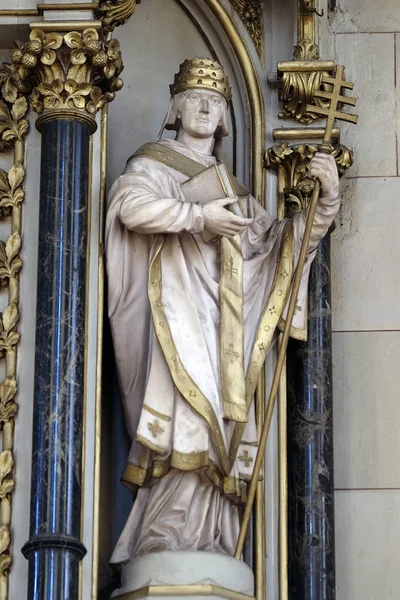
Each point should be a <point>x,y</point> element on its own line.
<point>156,39</point>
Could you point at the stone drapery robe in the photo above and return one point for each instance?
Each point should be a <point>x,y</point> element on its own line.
<point>164,308</point>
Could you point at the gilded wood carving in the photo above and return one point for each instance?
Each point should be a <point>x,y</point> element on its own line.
<point>13,129</point>
<point>252,16</point>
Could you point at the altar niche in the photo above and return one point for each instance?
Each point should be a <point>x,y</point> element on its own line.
<point>208,31</point>
<point>143,103</point>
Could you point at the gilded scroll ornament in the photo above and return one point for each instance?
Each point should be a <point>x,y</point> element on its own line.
<point>13,129</point>
<point>252,16</point>
<point>293,162</point>
<point>75,72</point>
<point>297,88</point>
<point>113,13</point>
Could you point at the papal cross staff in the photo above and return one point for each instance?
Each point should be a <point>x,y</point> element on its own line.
<point>335,98</point>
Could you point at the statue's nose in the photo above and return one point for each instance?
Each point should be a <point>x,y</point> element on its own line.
<point>204,108</point>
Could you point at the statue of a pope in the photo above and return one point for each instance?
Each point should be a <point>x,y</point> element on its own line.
<point>198,284</point>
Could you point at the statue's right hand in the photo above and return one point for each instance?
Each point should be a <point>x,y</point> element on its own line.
<point>220,221</point>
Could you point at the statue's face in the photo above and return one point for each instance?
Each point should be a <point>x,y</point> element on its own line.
<point>201,112</point>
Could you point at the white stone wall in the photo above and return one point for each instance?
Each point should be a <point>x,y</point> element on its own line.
<point>365,37</point>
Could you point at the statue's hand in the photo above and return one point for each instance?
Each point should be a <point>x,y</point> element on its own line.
<point>324,167</point>
<point>220,221</point>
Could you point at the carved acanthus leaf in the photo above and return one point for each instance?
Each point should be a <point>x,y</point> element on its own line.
<point>251,13</point>
<point>114,13</point>
<point>12,126</point>
<point>6,465</point>
<point>4,541</point>
<point>296,88</point>
<point>295,161</point>
<point>11,191</point>
<point>9,337</point>
<point>8,391</point>
<point>74,71</point>
<point>10,262</point>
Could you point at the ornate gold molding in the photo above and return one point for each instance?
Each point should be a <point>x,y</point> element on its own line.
<point>251,13</point>
<point>295,186</point>
<point>200,590</point>
<point>299,81</point>
<point>72,74</point>
<point>113,13</point>
<point>13,129</point>
<point>301,77</point>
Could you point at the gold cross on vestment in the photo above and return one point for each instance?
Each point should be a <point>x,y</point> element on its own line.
<point>155,428</point>
<point>246,458</point>
<point>229,268</point>
<point>233,355</point>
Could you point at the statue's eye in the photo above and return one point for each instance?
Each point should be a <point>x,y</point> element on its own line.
<point>194,98</point>
<point>215,101</point>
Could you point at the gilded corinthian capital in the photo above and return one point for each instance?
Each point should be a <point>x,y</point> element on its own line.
<point>71,74</point>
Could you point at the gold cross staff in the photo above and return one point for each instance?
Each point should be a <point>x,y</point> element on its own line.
<point>335,97</point>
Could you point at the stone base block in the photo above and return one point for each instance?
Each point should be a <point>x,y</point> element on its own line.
<point>178,575</point>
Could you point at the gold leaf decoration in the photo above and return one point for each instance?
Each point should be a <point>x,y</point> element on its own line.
<point>61,71</point>
<point>5,538</point>
<point>6,465</point>
<point>12,125</point>
<point>296,89</point>
<point>14,83</point>
<point>294,162</point>
<point>251,13</point>
<point>10,261</point>
<point>114,13</point>
<point>8,391</point>
<point>9,337</point>
<point>11,191</point>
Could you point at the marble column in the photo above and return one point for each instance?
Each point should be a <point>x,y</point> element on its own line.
<point>310,446</point>
<point>54,548</point>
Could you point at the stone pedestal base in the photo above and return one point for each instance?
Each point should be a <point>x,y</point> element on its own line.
<point>178,575</point>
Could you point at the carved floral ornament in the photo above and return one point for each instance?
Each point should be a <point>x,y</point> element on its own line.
<point>76,71</point>
<point>13,129</point>
<point>252,16</point>
<point>296,88</point>
<point>114,13</point>
<point>294,160</point>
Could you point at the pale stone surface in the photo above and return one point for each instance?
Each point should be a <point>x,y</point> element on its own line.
<point>368,15</point>
<point>366,412</point>
<point>365,250</point>
<point>367,545</point>
<point>398,97</point>
<point>187,568</point>
<point>369,61</point>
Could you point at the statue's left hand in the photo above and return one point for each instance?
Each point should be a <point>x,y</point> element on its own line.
<point>324,167</point>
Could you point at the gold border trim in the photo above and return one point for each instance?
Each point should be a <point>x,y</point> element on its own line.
<point>182,380</point>
<point>68,6</point>
<point>65,113</point>
<point>267,328</point>
<point>204,590</point>
<point>99,349</point>
<point>65,25</point>
<point>155,413</point>
<point>229,486</point>
<point>19,12</point>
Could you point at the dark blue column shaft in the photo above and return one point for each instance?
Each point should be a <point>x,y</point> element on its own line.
<point>54,548</point>
<point>310,445</point>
